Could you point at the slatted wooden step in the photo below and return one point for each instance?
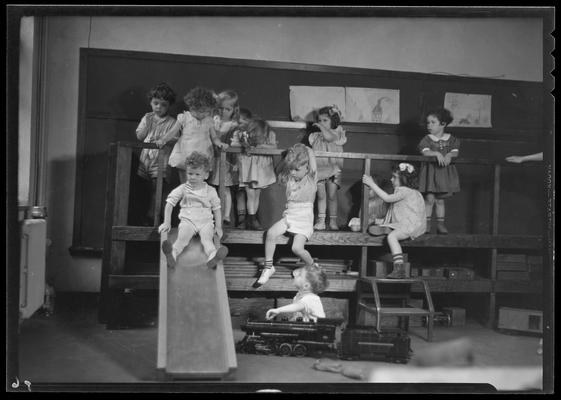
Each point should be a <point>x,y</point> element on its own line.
<point>344,238</point>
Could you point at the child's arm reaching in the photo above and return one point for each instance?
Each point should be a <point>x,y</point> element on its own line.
<point>388,198</point>
<point>329,135</point>
<point>289,308</point>
<point>313,164</point>
<point>172,133</point>
<point>143,127</point>
<point>529,157</point>
<point>166,226</point>
<point>215,139</point>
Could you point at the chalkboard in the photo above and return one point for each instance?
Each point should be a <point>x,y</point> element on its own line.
<point>112,99</point>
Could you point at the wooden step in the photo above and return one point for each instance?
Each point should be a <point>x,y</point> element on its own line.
<point>345,238</point>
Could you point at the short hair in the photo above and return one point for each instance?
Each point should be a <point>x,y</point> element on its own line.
<point>406,178</point>
<point>333,115</point>
<point>198,98</point>
<point>230,95</point>
<point>258,131</point>
<point>316,277</point>
<point>197,160</point>
<point>442,114</point>
<point>162,91</point>
<point>295,157</point>
<point>244,112</point>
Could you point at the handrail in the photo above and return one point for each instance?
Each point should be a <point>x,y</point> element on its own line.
<point>348,155</point>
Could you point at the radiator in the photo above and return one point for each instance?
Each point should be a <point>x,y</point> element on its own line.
<point>32,267</point>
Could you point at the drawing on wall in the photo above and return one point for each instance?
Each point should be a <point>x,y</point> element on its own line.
<point>469,110</point>
<point>304,100</point>
<point>372,105</point>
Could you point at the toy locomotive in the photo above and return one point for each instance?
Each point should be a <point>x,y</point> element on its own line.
<point>296,338</point>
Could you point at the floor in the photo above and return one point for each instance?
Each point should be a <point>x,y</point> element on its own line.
<point>70,346</point>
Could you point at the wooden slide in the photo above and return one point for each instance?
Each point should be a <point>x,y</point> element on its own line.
<point>195,338</point>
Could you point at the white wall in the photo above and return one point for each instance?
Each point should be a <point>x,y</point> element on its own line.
<point>500,48</point>
<point>24,110</point>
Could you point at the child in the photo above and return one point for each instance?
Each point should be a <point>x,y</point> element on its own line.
<point>298,171</point>
<point>225,123</point>
<point>438,181</point>
<point>243,121</point>
<point>309,280</point>
<point>256,172</point>
<point>152,127</point>
<point>199,203</point>
<point>331,137</point>
<point>197,130</point>
<point>406,216</point>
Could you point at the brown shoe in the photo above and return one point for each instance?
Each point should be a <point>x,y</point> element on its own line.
<point>377,230</point>
<point>397,273</point>
<point>441,229</point>
<point>220,255</point>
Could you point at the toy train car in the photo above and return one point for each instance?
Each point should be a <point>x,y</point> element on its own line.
<point>296,338</point>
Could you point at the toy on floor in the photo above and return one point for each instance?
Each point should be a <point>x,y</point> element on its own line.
<point>296,338</point>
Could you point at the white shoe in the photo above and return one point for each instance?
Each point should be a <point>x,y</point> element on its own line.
<point>265,275</point>
<point>319,226</point>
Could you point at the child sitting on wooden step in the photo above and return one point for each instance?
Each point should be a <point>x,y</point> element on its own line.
<point>406,216</point>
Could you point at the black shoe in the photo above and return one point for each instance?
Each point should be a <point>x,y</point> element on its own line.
<point>254,223</point>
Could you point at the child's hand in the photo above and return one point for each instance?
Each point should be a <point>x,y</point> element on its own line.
<point>368,181</point>
<point>160,143</point>
<point>249,149</point>
<point>235,168</point>
<point>165,227</point>
<point>447,159</point>
<point>271,313</point>
<point>219,232</point>
<point>440,159</point>
<point>223,146</point>
<point>378,221</point>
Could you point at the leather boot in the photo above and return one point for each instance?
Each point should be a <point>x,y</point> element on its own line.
<point>398,272</point>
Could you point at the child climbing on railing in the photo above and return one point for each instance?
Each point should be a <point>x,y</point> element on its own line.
<point>309,280</point>
<point>406,216</point>
<point>298,171</point>
<point>200,213</point>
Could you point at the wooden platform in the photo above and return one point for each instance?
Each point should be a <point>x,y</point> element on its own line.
<point>345,238</point>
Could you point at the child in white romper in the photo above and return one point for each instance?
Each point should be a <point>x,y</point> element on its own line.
<point>298,172</point>
<point>200,213</point>
<point>309,280</point>
<point>197,130</point>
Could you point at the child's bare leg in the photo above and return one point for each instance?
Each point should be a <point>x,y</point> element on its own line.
<point>150,214</point>
<point>207,240</point>
<point>241,207</point>
<point>182,175</point>
<point>273,233</point>
<point>252,206</point>
<point>185,232</point>
<point>440,214</point>
<point>332,204</point>
<point>299,250</point>
<point>227,204</point>
<point>322,205</point>
<point>393,241</point>
<point>429,204</point>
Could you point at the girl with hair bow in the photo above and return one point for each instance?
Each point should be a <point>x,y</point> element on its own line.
<point>406,216</point>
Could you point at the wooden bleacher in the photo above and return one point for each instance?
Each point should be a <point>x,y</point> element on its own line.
<point>114,279</point>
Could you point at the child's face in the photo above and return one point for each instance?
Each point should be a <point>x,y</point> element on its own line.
<point>434,126</point>
<point>160,107</point>
<point>226,110</point>
<point>196,176</point>
<point>299,172</point>
<point>243,122</point>
<point>201,113</point>
<point>324,120</point>
<point>395,180</point>
<point>299,278</point>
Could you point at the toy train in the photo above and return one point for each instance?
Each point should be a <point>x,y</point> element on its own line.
<point>296,338</point>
